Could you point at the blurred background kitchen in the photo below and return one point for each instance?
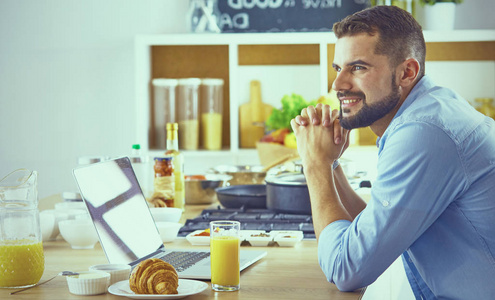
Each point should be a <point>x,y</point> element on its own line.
<point>68,81</point>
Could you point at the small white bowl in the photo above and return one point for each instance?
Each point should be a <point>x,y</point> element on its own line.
<point>287,238</point>
<point>89,283</point>
<point>166,214</point>
<point>168,230</point>
<point>259,239</point>
<point>80,234</point>
<point>198,240</point>
<point>45,217</point>
<point>118,272</point>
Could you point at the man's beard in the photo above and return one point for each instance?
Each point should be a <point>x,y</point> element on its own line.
<point>368,114</point>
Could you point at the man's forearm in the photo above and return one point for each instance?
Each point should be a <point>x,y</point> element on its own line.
<point>352,202</point>
<point>326,206</point>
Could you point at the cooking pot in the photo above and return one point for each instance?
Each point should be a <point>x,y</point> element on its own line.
<point>288,193</point>
<point>241,175</point>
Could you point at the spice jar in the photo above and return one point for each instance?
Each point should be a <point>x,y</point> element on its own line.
<point>164,182</point>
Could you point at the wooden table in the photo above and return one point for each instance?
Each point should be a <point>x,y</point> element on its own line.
<point>284,273</point>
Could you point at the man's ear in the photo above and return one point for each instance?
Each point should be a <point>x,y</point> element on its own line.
<point>408,70</point>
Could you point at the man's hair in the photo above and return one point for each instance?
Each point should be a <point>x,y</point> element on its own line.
<point>399,35</point>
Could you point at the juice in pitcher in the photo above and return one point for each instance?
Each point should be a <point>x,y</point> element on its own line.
<point>22,263</point>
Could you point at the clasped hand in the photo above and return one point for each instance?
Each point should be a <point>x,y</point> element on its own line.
<point>320,138</point>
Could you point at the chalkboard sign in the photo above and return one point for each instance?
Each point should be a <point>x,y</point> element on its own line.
<point>285,15</point>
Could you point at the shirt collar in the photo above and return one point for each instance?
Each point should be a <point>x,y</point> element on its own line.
<point>424,84</point>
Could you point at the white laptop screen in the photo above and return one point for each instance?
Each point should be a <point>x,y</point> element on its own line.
<point>119,210</point>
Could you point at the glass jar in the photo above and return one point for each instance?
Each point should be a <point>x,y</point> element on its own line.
<point>188,104</point>
<point>164,182</point>
<point>163,109</point>
<point>22,260</point>
<point>211,95</point>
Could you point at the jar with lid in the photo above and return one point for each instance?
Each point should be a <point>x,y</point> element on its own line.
<point>163,109</point>
<point>163,183</point>
<point>22,260</point>
<point>188,113</point>
<point>211,94</point>
<point>485,106</point>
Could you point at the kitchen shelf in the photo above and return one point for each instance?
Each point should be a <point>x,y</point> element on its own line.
<point>222,56</point>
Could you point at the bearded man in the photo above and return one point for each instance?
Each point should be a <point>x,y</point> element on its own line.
<point>433,201</point>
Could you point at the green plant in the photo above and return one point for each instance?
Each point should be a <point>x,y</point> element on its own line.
<point>291,107</point>
<point>432,2</point>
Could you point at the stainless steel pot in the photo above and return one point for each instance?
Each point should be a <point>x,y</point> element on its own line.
<point>288,193</point>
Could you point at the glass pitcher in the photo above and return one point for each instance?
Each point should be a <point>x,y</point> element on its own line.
<point>22,261</point>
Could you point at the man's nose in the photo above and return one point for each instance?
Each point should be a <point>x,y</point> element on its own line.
<point>342,82</point>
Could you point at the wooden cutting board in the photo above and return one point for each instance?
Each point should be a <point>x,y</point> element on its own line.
<point>252,117</point>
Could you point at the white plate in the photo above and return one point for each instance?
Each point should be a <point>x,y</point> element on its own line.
<point>198,240</point>
<point>186,288</point>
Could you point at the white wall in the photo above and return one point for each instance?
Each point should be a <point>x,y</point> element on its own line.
<point>67,78</point>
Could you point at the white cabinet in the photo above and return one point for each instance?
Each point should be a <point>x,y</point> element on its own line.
<point>236,57</point>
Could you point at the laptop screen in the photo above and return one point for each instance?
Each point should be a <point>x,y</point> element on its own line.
<point>119,210</point>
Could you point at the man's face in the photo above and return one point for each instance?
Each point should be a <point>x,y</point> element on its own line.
<point>365,84</point>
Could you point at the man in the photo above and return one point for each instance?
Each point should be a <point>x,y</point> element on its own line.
<point>433,200</point>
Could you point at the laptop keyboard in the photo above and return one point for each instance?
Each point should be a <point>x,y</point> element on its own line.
<point>184,259</point>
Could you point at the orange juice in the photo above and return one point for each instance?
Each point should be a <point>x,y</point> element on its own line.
<point>225,260</point>
<point>22,262</point>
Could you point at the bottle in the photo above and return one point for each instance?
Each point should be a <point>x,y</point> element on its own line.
<point>163,183</point>
<point>140,165</point>
<point>178,161</point>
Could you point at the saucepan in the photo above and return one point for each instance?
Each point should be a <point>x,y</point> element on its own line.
<point>288,193</point>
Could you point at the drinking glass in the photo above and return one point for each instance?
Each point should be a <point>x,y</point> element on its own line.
<point>224,248</point>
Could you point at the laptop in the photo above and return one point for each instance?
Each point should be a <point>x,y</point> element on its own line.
<point>125,226</point>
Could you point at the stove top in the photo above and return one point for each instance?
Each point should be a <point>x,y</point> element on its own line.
<point>252,219</point>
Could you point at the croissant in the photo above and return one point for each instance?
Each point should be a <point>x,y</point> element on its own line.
<point>154,276</point>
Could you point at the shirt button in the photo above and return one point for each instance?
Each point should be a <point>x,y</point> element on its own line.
<point>385,203</point>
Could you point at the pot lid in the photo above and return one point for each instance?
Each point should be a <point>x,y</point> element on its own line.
<point>287,179</point>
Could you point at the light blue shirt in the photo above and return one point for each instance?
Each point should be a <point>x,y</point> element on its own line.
<point>433,201</point>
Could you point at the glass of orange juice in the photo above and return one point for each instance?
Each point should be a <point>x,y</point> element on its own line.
<point>224,252</point>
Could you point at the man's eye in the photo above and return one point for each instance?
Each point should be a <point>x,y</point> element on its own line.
<point>338,69</point>
<point>358,68</point>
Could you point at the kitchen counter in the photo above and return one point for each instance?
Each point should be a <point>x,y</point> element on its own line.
<point>284,273</point>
